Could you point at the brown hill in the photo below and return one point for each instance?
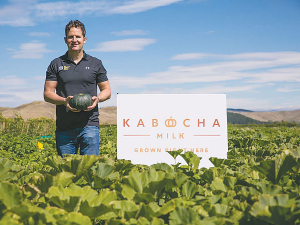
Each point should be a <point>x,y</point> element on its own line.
<point>277,116</point>
<point>37,109</point>
<point>3,108</point>
<point>34,109</point>
<point>108,115</point>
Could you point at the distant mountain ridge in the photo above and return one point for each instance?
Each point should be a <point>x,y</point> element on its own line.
<point>108,115</point>
<point>37,109</point>
<point>238,110</point>
<point>3,108</point>
<point>236,118</point>
<point>273,116</point>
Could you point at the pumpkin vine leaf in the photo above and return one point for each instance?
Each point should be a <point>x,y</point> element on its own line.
<point>174,154</point>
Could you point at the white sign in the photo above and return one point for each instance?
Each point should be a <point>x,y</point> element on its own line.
<point>149,125</point>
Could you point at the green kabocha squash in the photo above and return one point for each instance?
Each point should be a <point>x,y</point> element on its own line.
<point>81,101</point>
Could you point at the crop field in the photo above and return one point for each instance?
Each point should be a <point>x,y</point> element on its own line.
<point>258,183</point>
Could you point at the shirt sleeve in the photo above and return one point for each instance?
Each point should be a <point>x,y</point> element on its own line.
<point>51,73</point>
<point>101,74</point>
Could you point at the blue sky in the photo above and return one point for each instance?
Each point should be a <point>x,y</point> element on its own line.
<point>249,50</point>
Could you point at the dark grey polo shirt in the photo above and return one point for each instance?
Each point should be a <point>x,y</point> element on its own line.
<point>74,79</point>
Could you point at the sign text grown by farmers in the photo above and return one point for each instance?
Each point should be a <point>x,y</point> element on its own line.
<point>149,125</point>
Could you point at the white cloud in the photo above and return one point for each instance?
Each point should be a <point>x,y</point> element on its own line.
<point>219,89</point>
<point>16,91</point>
<point>29,95</point>
<point>181,74</point>
<point>291,87</point>
<point>236,67</point>
<point>211,89</point>
<point>275,57</point>
<point>31,50</point>
<point>63,8</point>
<point>275,75</point>
<point>287,89</point>
<point>39,34</point>
<point>129,32</point>
<point>175,75</point>
<point>38,78</point>
<point>12,81</point>
<point>189,56</point>
<point>16,14</point>
<point>244,64</point>
<point>124,45</point>
<point>140,6</point>
<point>29,12</point>
<point>16,97</point>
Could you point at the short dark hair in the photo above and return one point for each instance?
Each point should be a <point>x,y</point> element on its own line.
<point>75,23</point>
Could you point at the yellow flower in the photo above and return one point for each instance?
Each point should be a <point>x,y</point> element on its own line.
<point>40,146</point>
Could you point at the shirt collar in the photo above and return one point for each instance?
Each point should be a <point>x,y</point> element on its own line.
<point>84,55</point>
<point>66,56</point>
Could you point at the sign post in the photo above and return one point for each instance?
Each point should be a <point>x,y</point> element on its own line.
<point>149,125</point>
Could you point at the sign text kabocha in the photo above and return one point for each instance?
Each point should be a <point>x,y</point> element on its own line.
<point>149,125</point>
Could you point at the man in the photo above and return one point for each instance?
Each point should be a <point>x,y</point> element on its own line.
<point>70,74</point>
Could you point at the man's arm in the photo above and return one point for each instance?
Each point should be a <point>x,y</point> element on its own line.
<point>51,96</point>
<point>105,93</point>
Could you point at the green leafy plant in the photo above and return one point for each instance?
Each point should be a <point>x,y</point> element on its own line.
<point>258,183</point>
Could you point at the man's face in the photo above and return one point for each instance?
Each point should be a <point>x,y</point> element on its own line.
<point>75,39</point>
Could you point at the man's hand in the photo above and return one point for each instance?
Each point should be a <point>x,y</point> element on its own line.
<point>95,102</point>
<point>68,105</point>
